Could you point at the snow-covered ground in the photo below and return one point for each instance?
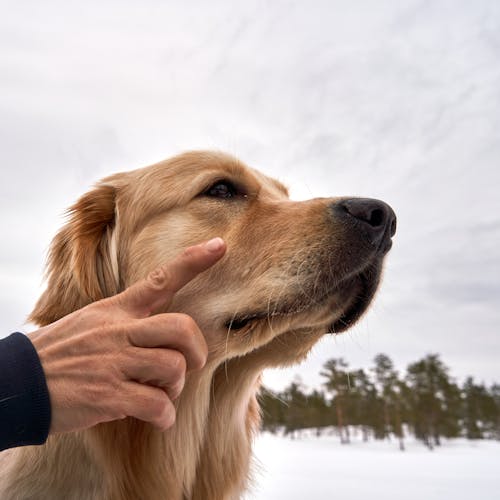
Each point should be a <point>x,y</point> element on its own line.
<point>311,468</point>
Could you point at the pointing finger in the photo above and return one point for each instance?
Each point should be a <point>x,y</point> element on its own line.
<point>148,295</point>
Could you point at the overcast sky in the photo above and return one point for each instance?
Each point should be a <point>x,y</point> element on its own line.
<point>398,100</point>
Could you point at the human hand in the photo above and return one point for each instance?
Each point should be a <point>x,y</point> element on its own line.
<point>113,358</point>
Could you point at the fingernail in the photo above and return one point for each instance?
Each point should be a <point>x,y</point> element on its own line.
<point>214,245</point>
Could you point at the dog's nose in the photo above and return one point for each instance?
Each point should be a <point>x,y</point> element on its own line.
<point>377,218</point>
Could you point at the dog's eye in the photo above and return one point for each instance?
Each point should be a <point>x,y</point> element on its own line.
<point>238,323</point>
<point>222,189</point>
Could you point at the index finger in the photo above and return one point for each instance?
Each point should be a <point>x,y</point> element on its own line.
<point>158,289</point>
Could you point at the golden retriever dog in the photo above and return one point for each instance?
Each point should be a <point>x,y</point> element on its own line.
<point>293,272</point>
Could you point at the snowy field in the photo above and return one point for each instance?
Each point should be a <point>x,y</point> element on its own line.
<point>309,468</point>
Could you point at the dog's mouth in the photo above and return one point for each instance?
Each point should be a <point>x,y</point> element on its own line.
<point>345,302</point>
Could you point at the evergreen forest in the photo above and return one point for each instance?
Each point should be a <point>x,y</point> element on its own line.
<point>425,402</point>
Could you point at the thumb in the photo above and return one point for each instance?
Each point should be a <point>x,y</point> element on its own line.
<point>158,289</point>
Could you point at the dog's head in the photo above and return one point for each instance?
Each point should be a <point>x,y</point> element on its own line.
<point>311,266</point>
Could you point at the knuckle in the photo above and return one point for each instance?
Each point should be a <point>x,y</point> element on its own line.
<point>176,389</point>
<point>160,277</point>
<point>116,335</point>
<point>186,325</point>
<point>158,406</point>
<point>201,355</point>
<point>161,410</point>
<point>169,419</point>
<point>193,339</point>
<point>190,253</point>
<point>114,401</point>
<point>177,363</point>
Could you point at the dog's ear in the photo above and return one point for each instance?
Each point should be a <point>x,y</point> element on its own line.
<point>82,263</point>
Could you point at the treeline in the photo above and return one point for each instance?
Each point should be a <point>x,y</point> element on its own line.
<point>425,402</point>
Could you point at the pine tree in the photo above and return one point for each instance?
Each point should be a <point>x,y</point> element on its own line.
<point>471,410</point>
<point>337,384</point>
<point>434,400</point>
<point>451,405</point>
<point>317,411</point>
<point>479,410</point>
<point>364,402</point>
<point>494,419</point>
<point>400,411</point>
<point>296,400</point>
<point>392,392</point>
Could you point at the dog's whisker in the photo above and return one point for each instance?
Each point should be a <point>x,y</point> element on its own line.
<point>278,298</point>
<point>285,284</point>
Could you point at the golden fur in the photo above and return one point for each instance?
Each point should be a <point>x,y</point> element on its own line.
<point>291,267</point>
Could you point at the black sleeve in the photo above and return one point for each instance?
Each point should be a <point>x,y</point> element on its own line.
<point>24,397</point>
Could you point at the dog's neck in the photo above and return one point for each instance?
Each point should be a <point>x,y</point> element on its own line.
<point>206,455</point>
<point>217,415</point>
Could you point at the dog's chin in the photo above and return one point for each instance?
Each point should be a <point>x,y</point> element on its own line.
<point>359,292</point>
